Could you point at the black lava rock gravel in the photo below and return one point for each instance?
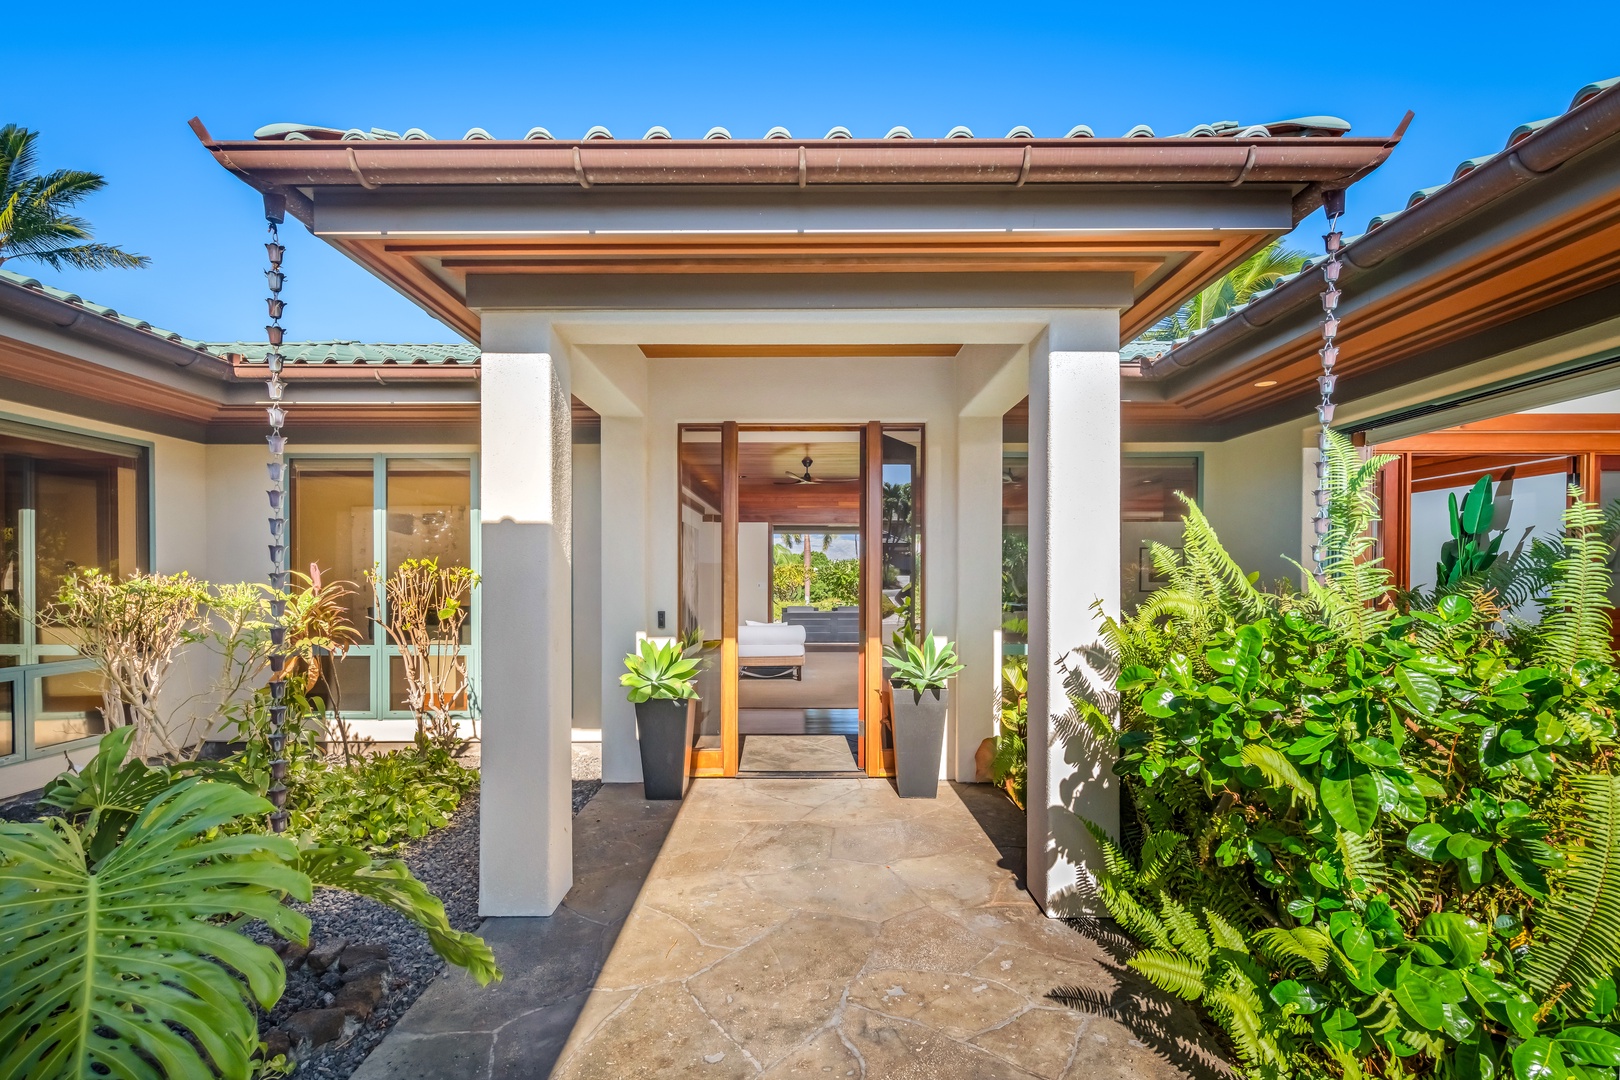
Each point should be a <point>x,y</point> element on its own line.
<point>446,861</point>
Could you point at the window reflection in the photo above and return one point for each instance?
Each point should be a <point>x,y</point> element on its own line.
<point>332,526</point>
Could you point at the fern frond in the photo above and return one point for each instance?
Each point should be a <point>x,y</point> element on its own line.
<point>1238,1008</point>
<point>1171,972</point>
<point>1575,624</point>
<point>1116,865</point>
<point>1225,934</point>
<point>1137,920</point>
<point>1363,861</point>
<point>1577,938</point>
<point>1280,772</point>
<point>1188,936</point>
<point>1303,947</point>
<point>1158,855</point>
<point>1212,568</point>
<point>1352,582</point>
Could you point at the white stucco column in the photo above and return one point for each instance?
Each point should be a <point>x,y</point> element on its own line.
<point>623,594</point>
<point>1074,464</point>
<point>978,588</point>
<point>526,820</point>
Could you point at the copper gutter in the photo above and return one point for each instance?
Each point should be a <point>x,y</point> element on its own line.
<point>1537,155</point>
<point>1310,162</point>
<point>383,374</point>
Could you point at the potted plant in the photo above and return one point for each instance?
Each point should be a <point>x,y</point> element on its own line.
<point>918,674</point>
<point>660,682</point>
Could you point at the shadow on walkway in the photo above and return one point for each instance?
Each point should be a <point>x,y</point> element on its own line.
<point>517,1027</point>
<point>784,928</point>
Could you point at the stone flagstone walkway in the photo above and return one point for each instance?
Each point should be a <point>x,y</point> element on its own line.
<point>798,928</point>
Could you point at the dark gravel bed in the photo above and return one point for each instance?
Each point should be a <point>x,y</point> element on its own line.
<point>446,861</point>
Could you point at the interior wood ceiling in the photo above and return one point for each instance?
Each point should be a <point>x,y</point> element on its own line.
<point>764,487</point>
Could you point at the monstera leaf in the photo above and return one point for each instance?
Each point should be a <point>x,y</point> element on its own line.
<point>118,967</point>
<point>390,883</point>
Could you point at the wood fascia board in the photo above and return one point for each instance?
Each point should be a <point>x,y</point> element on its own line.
<point>765,245</point>
<point>1139,269</point>
<point>1169,265</point>
<point>419,285</point>
<point>1533,433</point>
<point>71,375</point>
<point>1186,279</point>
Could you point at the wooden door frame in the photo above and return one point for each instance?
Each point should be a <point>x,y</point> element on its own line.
<point>730,512</point>
<point>871,705</point>
<point>872,758</point>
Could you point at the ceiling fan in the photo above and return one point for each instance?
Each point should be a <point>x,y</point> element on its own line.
<point>807,461</point>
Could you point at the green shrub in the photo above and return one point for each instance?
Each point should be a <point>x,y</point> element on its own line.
<point>1374,841</point>
<point>921,668</point>
<point>119,946</point>
<point>378,801</point>
<point>375,801</point>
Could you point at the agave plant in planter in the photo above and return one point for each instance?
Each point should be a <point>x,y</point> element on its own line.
<point>919,674</point>
<point>660,680</point>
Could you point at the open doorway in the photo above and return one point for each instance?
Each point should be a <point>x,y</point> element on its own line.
<point>800,556</point>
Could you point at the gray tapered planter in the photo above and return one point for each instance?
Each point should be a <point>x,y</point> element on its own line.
<point>919,735</point>
<point>664,732</point>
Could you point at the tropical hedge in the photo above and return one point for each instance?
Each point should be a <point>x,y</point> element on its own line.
<point>1375,834</point>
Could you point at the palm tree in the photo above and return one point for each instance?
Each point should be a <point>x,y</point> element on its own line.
<point>1261,270</point>
<point>34,222</point>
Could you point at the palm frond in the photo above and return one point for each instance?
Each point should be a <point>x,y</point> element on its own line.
<point>34,218</point>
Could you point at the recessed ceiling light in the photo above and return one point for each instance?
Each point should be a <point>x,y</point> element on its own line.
<point>1266,382</point>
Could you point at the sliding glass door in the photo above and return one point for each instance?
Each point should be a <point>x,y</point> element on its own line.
<point>68,503</point>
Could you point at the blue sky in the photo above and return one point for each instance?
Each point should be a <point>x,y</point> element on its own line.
<point>116,96</point>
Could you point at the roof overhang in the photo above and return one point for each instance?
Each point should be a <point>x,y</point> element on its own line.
<point>1518,248</point>
<point>59,353</point>
<point>428,215</point>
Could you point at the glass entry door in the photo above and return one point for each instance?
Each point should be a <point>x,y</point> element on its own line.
<point>800,553</point>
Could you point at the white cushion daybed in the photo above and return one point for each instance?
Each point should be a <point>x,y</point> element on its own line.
<point>771,645</point>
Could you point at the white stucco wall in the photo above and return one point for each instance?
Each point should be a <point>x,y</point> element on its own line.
<point>1252,497</point>
<point>587,549</point>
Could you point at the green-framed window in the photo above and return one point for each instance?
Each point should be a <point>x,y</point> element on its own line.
<point>68,502</point>
<point>349,513</point>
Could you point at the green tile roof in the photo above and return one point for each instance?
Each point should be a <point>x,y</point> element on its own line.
<point>313,353</point>
<point>62,295</point>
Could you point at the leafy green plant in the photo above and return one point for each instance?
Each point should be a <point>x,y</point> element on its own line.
<point>374,801</point>
<point>120,951</point>
<point>106,964</point>
<point>660,672</point>
<point>1396,823</point>
<point>1009,767</point>
<point>921,668</point>
<point>1472,549</point>
<point>424,607</point>
<point>133,629</point>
